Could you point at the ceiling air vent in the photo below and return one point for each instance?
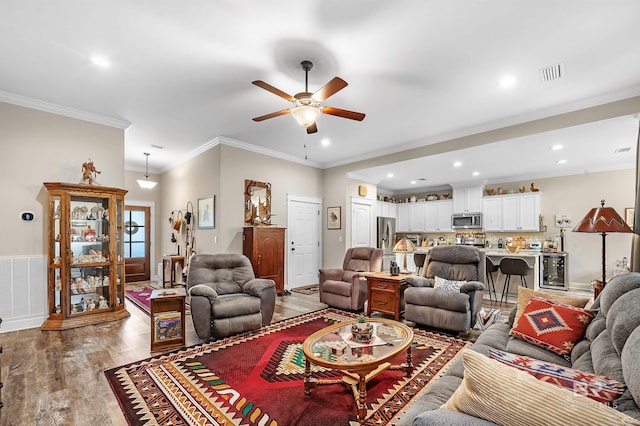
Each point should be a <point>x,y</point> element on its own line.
<point>621,150</point>
<point>552,72</point>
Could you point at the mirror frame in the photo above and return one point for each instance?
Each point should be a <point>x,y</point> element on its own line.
<point>249,217</point>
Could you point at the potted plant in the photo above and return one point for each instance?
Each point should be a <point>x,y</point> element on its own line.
<point>362,330</point>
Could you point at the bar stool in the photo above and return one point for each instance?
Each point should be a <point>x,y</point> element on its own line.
<point>513,266</point>
<point>418,259</point>
<point>491,268</point>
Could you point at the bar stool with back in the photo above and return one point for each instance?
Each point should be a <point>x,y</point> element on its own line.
<point>491,268</point>
<point>513,266</point>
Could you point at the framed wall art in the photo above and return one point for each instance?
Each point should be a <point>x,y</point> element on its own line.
<point>334,217</point>
<point>206,213</point>
<point>629,216</point>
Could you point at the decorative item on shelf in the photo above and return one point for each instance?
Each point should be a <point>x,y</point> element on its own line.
<point>89,173</point>
<point>522,189</point>
<point>489,191</point>
<point>602,220</point>
<point>500,191</point>
<point>445,195</point>
<point>362,331</point>
<point>413,199</point>
<point>533,188</point>
<point>432,197</point>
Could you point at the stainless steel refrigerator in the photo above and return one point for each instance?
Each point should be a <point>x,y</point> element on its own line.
<point>386,239</point>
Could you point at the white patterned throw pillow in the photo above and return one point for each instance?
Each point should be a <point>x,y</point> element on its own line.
<point>449,285</point>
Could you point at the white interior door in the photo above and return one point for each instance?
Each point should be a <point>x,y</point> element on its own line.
<point>362,223</point>
<point>304,253</point>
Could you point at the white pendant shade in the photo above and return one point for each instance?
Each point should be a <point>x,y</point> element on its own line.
<point>146,183</point>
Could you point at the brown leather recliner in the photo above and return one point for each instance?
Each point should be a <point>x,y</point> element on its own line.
<point>226,298</point>
<point>445,309</point>
<point>346,288</point>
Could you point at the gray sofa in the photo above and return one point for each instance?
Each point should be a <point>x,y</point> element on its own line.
<point>226,298</point>
<point>611,347</point>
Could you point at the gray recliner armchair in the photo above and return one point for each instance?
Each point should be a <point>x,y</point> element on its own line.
<point>446,309</point>
<point>226,298</point>
<point>346,288</point>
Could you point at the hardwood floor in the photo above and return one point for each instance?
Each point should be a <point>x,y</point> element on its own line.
<point>56,377</point>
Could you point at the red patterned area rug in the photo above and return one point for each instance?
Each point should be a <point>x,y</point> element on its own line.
<point>257,379</point>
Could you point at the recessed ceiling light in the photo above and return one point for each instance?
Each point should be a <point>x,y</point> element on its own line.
<point>561,161</point>
<point>557,147</point>
<point>389,175</point>
<point>457,164</point>
<point>475,173</point>
<point>100,61</point>
<point>413,182</point>
<point>325,142</point>
<point>507,82</point>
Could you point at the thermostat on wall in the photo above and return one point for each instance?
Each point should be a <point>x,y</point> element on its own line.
<point>27,216</point>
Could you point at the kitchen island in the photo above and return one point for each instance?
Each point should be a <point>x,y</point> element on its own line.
<point>534,278</point>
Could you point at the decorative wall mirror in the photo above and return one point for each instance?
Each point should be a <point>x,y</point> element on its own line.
<point>257,203</point>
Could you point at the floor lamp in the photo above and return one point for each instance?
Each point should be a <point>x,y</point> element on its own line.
<point>602,220</point>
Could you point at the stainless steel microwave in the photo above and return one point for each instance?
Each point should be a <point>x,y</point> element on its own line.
<point>466,221</point>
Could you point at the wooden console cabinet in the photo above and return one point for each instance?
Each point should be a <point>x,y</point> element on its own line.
<point>86,255</point>
<point>264,246</point>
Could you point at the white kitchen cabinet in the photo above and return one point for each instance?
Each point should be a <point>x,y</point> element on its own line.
<point>523,214</point>
<point>438,216</point>
<point>517,212</point>
<point>467,200</point>
<point>491,214</point>
<point>411,217</point>
<point>386,209</point>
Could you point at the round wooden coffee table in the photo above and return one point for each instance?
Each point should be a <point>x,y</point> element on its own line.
<point>332,348</point>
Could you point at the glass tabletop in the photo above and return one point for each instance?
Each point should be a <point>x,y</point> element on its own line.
<point>334,346</point>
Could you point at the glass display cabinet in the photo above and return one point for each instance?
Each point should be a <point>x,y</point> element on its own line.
<point>86,255</point>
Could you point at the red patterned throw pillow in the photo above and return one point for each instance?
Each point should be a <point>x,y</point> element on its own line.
<point>552,325</point>
<point>599,388</point>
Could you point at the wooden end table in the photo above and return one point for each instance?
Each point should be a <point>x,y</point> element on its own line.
<point>167,319</point>
<point>384,293</point>
<point>359,363</point>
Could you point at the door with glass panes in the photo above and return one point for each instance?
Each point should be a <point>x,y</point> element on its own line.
<point>137,233</point>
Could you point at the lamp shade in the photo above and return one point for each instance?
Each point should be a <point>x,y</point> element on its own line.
<point>602,220</point>
<point>404,245</point>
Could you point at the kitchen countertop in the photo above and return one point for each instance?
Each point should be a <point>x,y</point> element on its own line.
<point>494,252</point>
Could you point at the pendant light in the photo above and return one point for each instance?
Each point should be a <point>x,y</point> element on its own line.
<point>146,183</point>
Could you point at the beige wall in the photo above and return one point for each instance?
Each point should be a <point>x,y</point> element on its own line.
<point>42,147</point>
<point>221,171</point>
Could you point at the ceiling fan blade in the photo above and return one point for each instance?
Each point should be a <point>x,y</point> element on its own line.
<point>312,129</point>
<point>273,114</point>
<point>351,115</point>
<point>270,88</point>
<point>329,89</point>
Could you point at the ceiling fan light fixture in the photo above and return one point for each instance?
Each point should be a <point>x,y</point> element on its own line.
<point>146,183</point>
<point>305,115</point>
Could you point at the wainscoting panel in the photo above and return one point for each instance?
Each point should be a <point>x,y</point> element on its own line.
<point>23,292</point>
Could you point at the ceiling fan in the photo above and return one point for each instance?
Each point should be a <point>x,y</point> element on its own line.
<point>308,106</point>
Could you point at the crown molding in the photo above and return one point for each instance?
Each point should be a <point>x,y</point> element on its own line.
<point>39,105</point>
